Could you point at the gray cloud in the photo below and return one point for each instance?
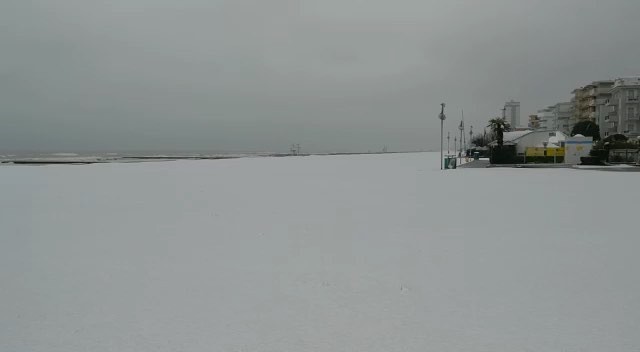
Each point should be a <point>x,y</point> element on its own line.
<point>343,75</point>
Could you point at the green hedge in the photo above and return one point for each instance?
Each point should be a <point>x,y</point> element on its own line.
<point>504,155</point>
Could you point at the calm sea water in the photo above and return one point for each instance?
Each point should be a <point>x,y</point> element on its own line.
<point>119,156</point>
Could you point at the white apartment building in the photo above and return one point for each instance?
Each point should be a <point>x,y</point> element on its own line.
<point>556,117</point>
<point>547,119</point>
<point>562,113</point>
<point>512,113</point>
<point>623,114</point>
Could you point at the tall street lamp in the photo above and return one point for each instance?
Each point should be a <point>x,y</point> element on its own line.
<point>448,139</point>
<point>442,117</point>
<point>461,128</point>
<point>455,143</point>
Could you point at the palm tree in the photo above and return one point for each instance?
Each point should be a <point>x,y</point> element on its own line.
<point>498,127</point>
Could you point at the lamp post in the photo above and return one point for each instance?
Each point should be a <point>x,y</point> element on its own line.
<point>470,135</point>
<point>461,128</point>
<point>442,117</point>
<point>455,143</point>
<point>448,139</point>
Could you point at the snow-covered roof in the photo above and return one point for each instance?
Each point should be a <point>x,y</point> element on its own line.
<point>512,136</point>
<point>559,137</point>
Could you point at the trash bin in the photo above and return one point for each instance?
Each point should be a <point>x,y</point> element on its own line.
<point>450,162</point>
<point>476,155</point>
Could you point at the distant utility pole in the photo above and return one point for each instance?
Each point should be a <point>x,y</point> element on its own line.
<point>298,149</point>
<point>455,143</point>
<point>442,117</point>
<point>461,128</point>
<point>470,135</point>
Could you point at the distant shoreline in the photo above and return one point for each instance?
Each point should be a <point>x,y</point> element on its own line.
<point>67,159</point>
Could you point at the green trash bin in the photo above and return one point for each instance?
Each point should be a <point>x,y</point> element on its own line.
<point>450,162</point>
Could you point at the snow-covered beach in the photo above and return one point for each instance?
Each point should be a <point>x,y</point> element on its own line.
<point>321,253</point>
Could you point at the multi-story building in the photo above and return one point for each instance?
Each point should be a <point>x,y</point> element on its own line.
<point>512,113</point>
<point>577,108</point>
<point>556,117</point>
<point>562,113</point>
<point>589,102</point>
<point>534,122</point>
<point>623,114</point>
<point>547,119</point>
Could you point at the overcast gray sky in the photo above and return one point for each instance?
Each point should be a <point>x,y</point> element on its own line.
<point>332,75</point>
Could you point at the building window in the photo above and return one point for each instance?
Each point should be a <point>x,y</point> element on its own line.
<point>631,127</point>
<point>631,112</point>
<point>632,94</point>
<point>606,134</point>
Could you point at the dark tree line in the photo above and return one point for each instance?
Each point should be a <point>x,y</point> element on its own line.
<point>587,129</point>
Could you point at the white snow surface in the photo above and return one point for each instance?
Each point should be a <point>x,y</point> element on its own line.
<point>322,253</point>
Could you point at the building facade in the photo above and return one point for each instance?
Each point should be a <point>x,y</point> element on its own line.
<point>562,113</point>
<point>534,122</point>
<point>556,117</point>
<point>512,113</point>
<point>547,119</point>
<point>590,103</point>
<point>577,147</point>
<point>623,108</point>
<point>537,139</point>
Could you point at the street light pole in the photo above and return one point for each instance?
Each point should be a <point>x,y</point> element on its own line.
<point>461,128</point>
<point>442,117</point>
<point>463,133</point>
<point>455,143</point>
<point>448,139</point>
